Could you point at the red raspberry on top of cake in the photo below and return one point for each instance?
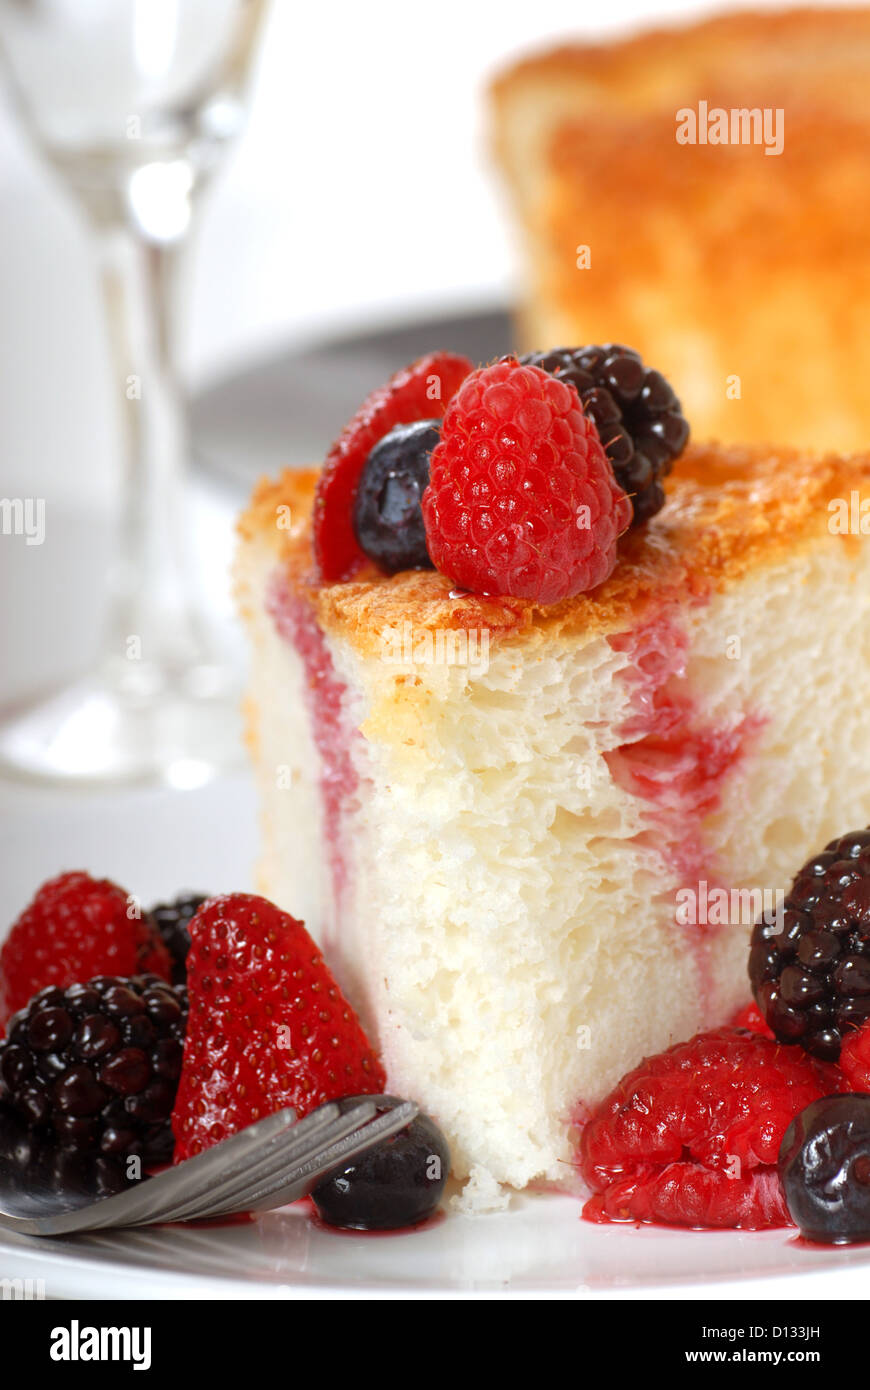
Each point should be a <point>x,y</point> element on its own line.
<point>522,499</point>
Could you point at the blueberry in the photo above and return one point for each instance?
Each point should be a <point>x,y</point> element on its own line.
<point>397,1183</point>
<point>387,518</point>
<point>824,1164</point>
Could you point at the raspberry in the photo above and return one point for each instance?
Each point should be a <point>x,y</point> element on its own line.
<point>418,392</point>
<point>635,411</point>
<point>751,1019</point>
<point>691,1137</point>
<point>810,973</point>
<point>95,1067</point>
<point>855,1059</point>
<point>172,921</point>
<point>268,1025</point>
<point>75,928</point>
<point>522,499</point>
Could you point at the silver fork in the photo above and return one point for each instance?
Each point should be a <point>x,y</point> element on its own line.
<point>272,1162</point>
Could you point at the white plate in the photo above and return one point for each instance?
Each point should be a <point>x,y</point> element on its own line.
<point>156,843</point>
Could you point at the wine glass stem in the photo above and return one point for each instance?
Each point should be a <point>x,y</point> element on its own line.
<point>152,627</point>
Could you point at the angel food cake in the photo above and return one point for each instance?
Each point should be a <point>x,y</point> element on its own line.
<point>532,837</point>
<point>701,192</point>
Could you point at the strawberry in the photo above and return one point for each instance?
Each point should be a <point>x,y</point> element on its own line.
<point>268,1026</point>
<point>76,928</point>
<point>418,392</point>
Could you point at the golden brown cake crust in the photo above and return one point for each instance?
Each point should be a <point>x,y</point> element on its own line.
<point>783,49</point>
<point>729,511</point>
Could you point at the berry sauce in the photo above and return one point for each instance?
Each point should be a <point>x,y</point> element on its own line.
<point>676,760</point>
<point>326,698</point>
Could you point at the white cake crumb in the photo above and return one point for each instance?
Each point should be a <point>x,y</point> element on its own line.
<point>481,1194</point>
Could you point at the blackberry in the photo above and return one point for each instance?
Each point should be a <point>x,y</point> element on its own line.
<point>93,1069</point>
<point>172,921</point>
<point>31,1165</point>
<point>387,519</point>
<point>636,413</point>
<point>824,1165</point>
<point>397,1183</point>
<point>810,972</point>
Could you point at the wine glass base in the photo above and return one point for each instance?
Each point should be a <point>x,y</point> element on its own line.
<point>99,734</point>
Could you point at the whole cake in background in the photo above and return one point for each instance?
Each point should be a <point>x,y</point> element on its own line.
<point>741,269</point>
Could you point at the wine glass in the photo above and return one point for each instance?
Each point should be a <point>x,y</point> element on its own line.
<point>132,103</point>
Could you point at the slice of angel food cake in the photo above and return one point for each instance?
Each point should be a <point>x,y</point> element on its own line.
<point>535,746</point>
